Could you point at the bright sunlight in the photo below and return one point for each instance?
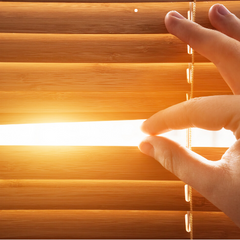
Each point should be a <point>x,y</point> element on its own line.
<point>103,133</point>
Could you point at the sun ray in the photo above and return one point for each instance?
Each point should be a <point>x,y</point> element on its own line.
<point>102,133</point>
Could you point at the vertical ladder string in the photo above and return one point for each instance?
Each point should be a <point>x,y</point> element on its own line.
<point>190,79</point>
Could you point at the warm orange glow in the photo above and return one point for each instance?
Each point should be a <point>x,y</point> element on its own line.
<point>103,133</point>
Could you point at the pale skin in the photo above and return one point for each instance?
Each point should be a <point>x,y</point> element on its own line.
<point>218,181</point>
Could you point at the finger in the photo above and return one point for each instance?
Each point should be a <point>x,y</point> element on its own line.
<point>222,50</point>
<point>223,20</point>
<point>203,175</point>
<point>210,113</point>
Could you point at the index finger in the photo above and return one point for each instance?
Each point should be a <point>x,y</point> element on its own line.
<point>210,113</point>
<point>222,50</point>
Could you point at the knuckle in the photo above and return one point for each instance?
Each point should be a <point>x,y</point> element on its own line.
<point>192,104</point>
<point>191,109</point>
<point>196,100</point>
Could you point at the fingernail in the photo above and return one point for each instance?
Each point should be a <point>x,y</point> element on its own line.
<point>146,148</point>
<point>223,10</point>
<point>176,15</point>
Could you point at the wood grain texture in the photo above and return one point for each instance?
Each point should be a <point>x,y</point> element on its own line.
<point>213,153</point>
<point>208,79</point>
<point>65,162</point>
<point>76,102</point>
<point>85,18</point>
<point>93,224</point>
<point>97,18</point>
<point>93,48</point>
<point>213,225</point>
<point>117,224</point>
<point>93,77</point>
<point>111,1</point>
<point>110,194</point>
<point>39,92</point>
<point>78,162</point>
<point>92,194</point>
<point>32,106</point>
<point>112,59</point>
<point>113,77</point>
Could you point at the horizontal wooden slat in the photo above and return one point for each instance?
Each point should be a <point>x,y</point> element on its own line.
<point>78,162</point>
<point>85,17</point>
<point>93,48</point>
<point>91,224</point>
<point>208,79</point>
<point>96,17</point>
<point>75,102</point>
<point>32,106</point>
<point>65,162</point>
<point>82,194</point>
<point>128,163</point>
<point>200,203</point>
<point>113,224</point>
<point>111,1</point>
<point>111,195</point>
<point>37,77</point>
<point>213,153</point>
<point>92,77</point>
<point>213,225</point>
<point>115,77</point>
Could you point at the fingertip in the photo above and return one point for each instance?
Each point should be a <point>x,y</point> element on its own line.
<point>146,148</point>
<point>174,14</point>
<point>222,10</point>
<point>218,13</point>
<point>143,126</point>
<point>146,128</point>
<point>224,21</point>
<point>171,19</point>
<point>213,15</point>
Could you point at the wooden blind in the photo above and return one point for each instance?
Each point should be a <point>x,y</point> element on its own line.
<point>70,61</point>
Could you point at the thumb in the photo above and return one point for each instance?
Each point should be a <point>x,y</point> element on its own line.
<point>200,173</point>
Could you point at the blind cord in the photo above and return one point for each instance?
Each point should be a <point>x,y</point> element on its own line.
<point>192,14</point>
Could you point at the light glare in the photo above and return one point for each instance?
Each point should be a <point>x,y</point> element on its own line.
<point>102,133</point>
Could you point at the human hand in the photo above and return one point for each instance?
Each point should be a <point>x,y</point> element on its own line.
<point>218,181</point>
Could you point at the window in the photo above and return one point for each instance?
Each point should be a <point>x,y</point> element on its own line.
<point>77,61</point>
